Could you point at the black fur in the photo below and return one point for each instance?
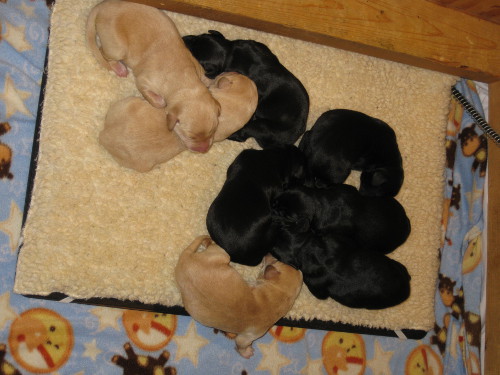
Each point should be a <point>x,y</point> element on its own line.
<point>377,224</point>
<point>342,140</point>
<point>338,239</point>
<point>283,106</point>
<point>239,219</point>
<point>332,266</point>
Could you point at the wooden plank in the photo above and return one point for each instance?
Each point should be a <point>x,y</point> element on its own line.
<point>488,10</point>
<point>492,358</point>
<point>413,32</point>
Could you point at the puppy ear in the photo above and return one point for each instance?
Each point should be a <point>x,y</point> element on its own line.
<point>378,178</point>
<point>154,99</point>
<point>224,83</point>
<point>172,120</point>
<point>271,272</point>
<point>215,32</point>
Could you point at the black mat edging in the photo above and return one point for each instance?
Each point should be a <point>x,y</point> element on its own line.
<point>317,324</point>
<point>36,140</point>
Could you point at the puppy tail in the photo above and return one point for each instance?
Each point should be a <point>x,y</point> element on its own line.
<point>92,38</point>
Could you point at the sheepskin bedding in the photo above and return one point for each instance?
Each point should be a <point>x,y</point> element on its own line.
<point>95,229</point>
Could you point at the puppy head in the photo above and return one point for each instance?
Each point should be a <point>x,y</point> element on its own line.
<point>210,50</point>
<point>224,81</point>
<point>238,97</point>
<point>291,212</point>
<point>322,169</point>
<point>383,224</point>
<point>381,182</point>
<point>395,282</point>
<point>195,122</point>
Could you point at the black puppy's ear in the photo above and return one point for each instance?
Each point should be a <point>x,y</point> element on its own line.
<point>216,33</point>
<point>378,178</point>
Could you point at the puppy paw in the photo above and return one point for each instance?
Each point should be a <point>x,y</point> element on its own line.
<point>202,243</point>
<point>119,68</point>
<point>206,243</point>
<point>246,352</point>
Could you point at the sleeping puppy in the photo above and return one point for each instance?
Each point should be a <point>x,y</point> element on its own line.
<point>146,40</point>
<point>239,219</point>
<point>378,224</point>
<point>332,266</point>
<point>342,140</point>
<point>216,295</point>
<point>136,135</point>
<point>283,107</point>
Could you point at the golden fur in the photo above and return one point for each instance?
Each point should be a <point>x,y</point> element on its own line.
<point>146,40</point>
<point>136,135</point>
<point>216,295</point>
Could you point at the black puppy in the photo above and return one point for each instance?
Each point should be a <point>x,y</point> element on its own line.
<point>342,140</point>
<point>333,267</point>
<point>239,219</point>
<point>377,224</point>
<point>283,106</point>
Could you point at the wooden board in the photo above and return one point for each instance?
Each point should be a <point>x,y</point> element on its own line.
<point>413,32</point>
<point>492,364</point>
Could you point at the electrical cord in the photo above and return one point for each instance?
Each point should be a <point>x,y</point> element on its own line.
<point>478,119</point>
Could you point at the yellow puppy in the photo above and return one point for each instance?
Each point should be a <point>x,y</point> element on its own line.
<point>216,295</point>
<point>146,40</point>
<point>136,135</point>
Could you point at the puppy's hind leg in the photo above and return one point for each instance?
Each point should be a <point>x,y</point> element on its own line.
<point>116,66</point>
<point>112,49</point>
<point>244,344</point>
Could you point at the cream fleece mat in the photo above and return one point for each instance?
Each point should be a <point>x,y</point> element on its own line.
<point>96,229</point>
